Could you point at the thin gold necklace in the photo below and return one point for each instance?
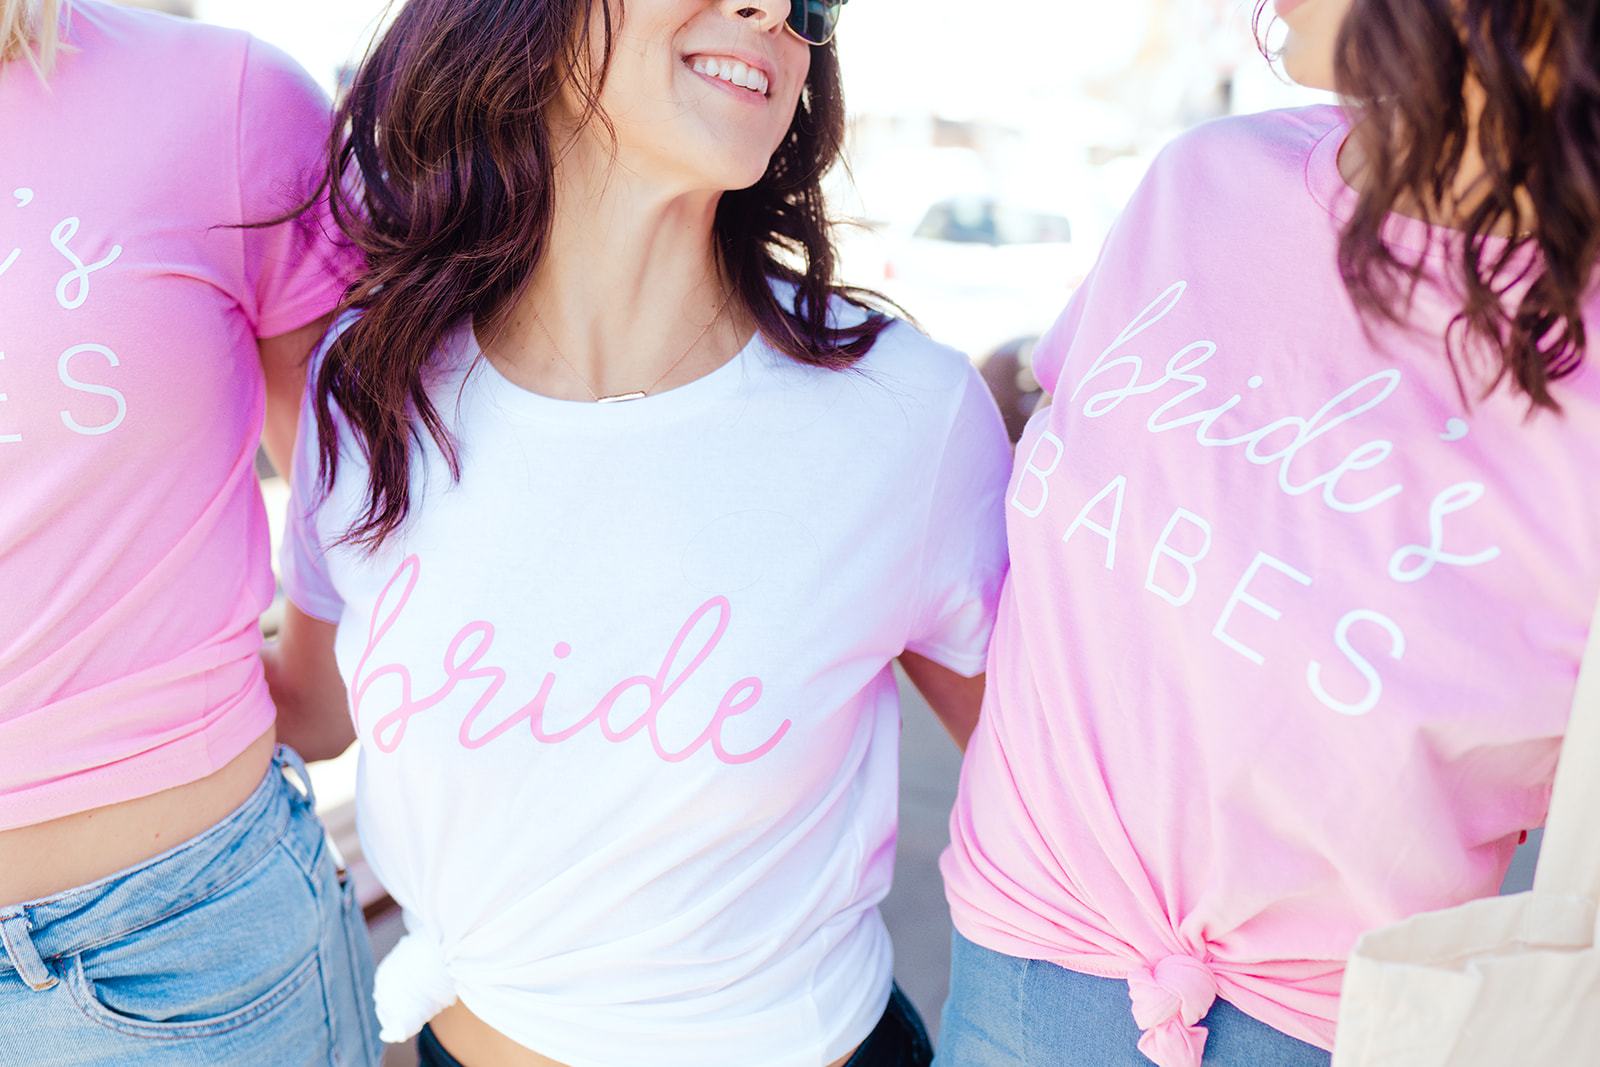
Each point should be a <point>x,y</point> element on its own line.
<point>637,394</point>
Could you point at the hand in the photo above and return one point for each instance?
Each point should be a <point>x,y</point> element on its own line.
<point>303,675</point>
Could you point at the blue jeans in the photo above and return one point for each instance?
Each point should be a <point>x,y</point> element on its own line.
<point>244,946</point>
<point>1009,1012</point>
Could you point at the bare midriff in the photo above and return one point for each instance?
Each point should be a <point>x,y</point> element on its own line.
<point>477,1044</point>
<point>47,858</point>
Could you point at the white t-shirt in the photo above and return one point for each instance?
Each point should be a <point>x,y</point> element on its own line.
<point>629,730</point>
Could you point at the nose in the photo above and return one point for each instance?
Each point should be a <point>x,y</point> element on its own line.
<point>764,15</point>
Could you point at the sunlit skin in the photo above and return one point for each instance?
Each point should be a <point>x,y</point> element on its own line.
<point>682,132</point>
<point>637,210</point>
<point>1313,31</point>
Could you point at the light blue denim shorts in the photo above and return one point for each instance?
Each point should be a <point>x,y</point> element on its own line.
<point>1009,1012</point>
<point>244,946</point>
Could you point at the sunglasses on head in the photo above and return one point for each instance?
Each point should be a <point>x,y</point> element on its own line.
<point>815,21</point>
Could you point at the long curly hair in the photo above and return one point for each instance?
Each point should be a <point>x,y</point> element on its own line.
<point>441,172</point>
<point>1518,83</point>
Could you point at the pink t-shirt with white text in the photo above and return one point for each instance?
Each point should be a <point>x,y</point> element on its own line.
<point>1291,633</point>
<point>134,558</point>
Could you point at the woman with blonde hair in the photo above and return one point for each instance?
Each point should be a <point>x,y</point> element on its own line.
<point>166,893</point>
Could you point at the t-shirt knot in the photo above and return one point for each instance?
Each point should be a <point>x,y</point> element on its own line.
<point>413,985</point>
<point>1168,1000</point>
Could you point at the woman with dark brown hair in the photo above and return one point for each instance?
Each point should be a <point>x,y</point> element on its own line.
<point>614,516</point>
<point>1304,552</point>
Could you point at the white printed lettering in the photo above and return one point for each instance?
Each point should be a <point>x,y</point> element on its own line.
<point>1241,595</point>
<point>1153,313</point>
<point>1032,468</point>
<point>1341,637</point>
<point>1117,487</point>
<point>73,288</point>
<point>1295,433</point>
<point>1185,560</point>
<point>64,371</point>
<point>1415,562</point>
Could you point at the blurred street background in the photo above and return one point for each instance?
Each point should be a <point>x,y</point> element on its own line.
<point>991,147</point>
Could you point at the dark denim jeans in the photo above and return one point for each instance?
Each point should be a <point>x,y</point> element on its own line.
<point>899,1040</point>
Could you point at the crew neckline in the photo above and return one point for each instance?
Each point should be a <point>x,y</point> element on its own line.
<point>1336,195</point>
<point>1327,185</point>
<point>715,385</point>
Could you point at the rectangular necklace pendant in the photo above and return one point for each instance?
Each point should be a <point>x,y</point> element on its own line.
<point>620,398</point>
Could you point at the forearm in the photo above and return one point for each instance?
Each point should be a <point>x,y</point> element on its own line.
<point>283,365</point>
<point>955,700</point>
<point>313,724</point>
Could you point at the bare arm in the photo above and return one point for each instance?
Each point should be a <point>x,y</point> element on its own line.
<point>955,700</point>
<point>283,363</point>
<point>313,710</point>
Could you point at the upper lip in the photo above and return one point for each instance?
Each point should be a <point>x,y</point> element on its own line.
<point>749,59</point>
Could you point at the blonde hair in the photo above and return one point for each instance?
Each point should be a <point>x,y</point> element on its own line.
<point>29,29</point>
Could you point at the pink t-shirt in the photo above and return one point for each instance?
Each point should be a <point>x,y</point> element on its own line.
<point>134,558</point>
<point>1291,633</point>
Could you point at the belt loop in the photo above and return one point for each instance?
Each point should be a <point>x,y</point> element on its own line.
<point>294,769</point>
<point>24,956</point>
<point>299,778</point>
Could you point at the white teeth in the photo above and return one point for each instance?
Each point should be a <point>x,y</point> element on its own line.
<point>732,72</point>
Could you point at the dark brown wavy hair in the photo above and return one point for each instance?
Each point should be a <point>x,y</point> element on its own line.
<point>441,172</point>
<point>1529,238</point>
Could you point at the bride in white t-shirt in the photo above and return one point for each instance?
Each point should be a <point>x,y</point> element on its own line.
<point>613,513</point>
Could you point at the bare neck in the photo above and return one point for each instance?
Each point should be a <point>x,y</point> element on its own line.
<point>628,284</point>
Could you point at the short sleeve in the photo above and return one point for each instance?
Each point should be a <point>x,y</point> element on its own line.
<point>294,272</point>
<point>964,555</point>
<point>303,559</point>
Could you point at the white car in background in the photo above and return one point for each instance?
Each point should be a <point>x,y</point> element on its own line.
<point>982,273</point>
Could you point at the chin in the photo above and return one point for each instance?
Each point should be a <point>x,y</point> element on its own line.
<point>731,171</point>
<point>1309,67</point>
<point>747,177</point>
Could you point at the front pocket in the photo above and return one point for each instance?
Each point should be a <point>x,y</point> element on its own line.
<point>302,978</point>
<point>213,966</point>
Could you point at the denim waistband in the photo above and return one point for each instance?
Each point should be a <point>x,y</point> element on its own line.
<point>86,916</point>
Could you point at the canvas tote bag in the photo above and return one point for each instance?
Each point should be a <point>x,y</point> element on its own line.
<point>1509,981</point>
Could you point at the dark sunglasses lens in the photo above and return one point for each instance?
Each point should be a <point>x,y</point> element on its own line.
<point>815,20</point>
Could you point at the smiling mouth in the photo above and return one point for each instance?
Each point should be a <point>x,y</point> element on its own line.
<point>731,71</point>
